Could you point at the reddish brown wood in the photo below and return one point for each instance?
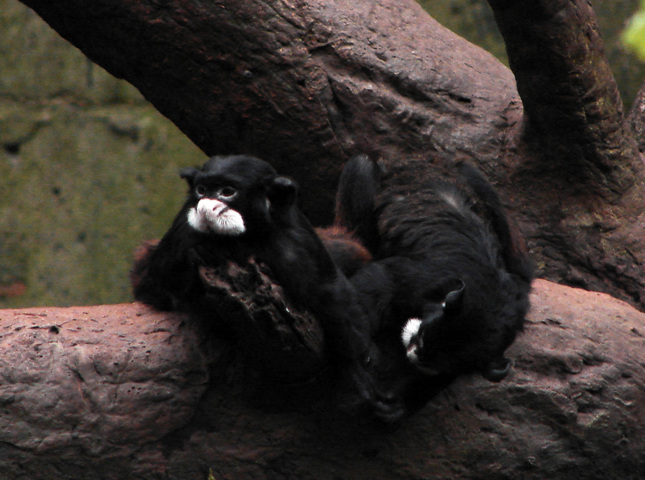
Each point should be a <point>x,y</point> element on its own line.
<point>119,392</point>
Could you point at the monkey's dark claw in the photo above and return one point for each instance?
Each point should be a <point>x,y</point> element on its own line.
<point>371,396</point>
<point>497,369</point>
<point>367,361</point>
<point>389,413</point>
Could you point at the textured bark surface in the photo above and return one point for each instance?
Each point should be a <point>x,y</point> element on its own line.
<point>278,340</point>
<point>93,384</point>
<point>580,161</point>
<point>123,392</point>
<point>306,84</point>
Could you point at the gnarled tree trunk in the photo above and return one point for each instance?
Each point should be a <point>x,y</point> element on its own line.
<point>123,392</point>
<point>306,84</point>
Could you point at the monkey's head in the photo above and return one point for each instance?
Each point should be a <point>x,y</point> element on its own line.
<point>456,335</point>
<point>236,195</point>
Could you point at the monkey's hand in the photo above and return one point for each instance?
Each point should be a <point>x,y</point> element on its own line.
<point>371,393</point>
<point>205,255</point>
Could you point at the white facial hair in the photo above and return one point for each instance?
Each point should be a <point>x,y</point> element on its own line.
<point>211,215</point>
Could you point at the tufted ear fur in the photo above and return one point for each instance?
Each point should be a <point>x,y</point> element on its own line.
<point>281,191</point>
<point>188,174</point>
<point>454,298</point>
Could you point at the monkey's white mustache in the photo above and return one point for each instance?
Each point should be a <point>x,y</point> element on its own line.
<point>409,332</point>
<point>217,217</point>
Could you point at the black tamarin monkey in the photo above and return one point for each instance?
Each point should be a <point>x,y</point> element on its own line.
<point>448,289</point>
<point>238,206</point>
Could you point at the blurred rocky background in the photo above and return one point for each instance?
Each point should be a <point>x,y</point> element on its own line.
<point>88,169</point>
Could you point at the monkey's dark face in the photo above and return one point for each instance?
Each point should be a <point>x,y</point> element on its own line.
<point>429,341</point>
<point>229,195</point>
<point>447,341</point>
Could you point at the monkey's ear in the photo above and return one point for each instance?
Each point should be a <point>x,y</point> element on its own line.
<point>454,297</point>
<point>188,174</point>
<point>497,369</point>
<point>281,191</point>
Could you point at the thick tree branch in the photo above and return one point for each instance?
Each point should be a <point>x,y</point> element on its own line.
<point>305,85</point>
<point>336,80</point>
<point>636,118</point>
<point>102,380</point>
<point>277,339</point>
<point>587,177</point>
<point>569,93</point>
<point>123,392</point>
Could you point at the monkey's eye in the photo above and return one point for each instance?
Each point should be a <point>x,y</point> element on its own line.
<point>200,190</point>
<point>227,192</point>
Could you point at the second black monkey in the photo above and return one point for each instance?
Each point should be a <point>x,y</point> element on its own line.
<point>448,290</point>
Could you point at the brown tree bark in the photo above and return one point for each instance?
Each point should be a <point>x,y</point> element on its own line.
<point>120,391</point>
<point>587,173</point>
<point>306,84</point>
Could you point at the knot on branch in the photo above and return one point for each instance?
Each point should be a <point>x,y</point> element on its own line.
<point>278,339</point>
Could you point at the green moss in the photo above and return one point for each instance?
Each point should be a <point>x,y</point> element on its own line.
<point>80,193</point>
<point>88,169</point>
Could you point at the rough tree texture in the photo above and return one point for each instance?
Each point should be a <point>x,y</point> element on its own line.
<point>123,392</point>
<point>305,84</point>
<point>278,340</point>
